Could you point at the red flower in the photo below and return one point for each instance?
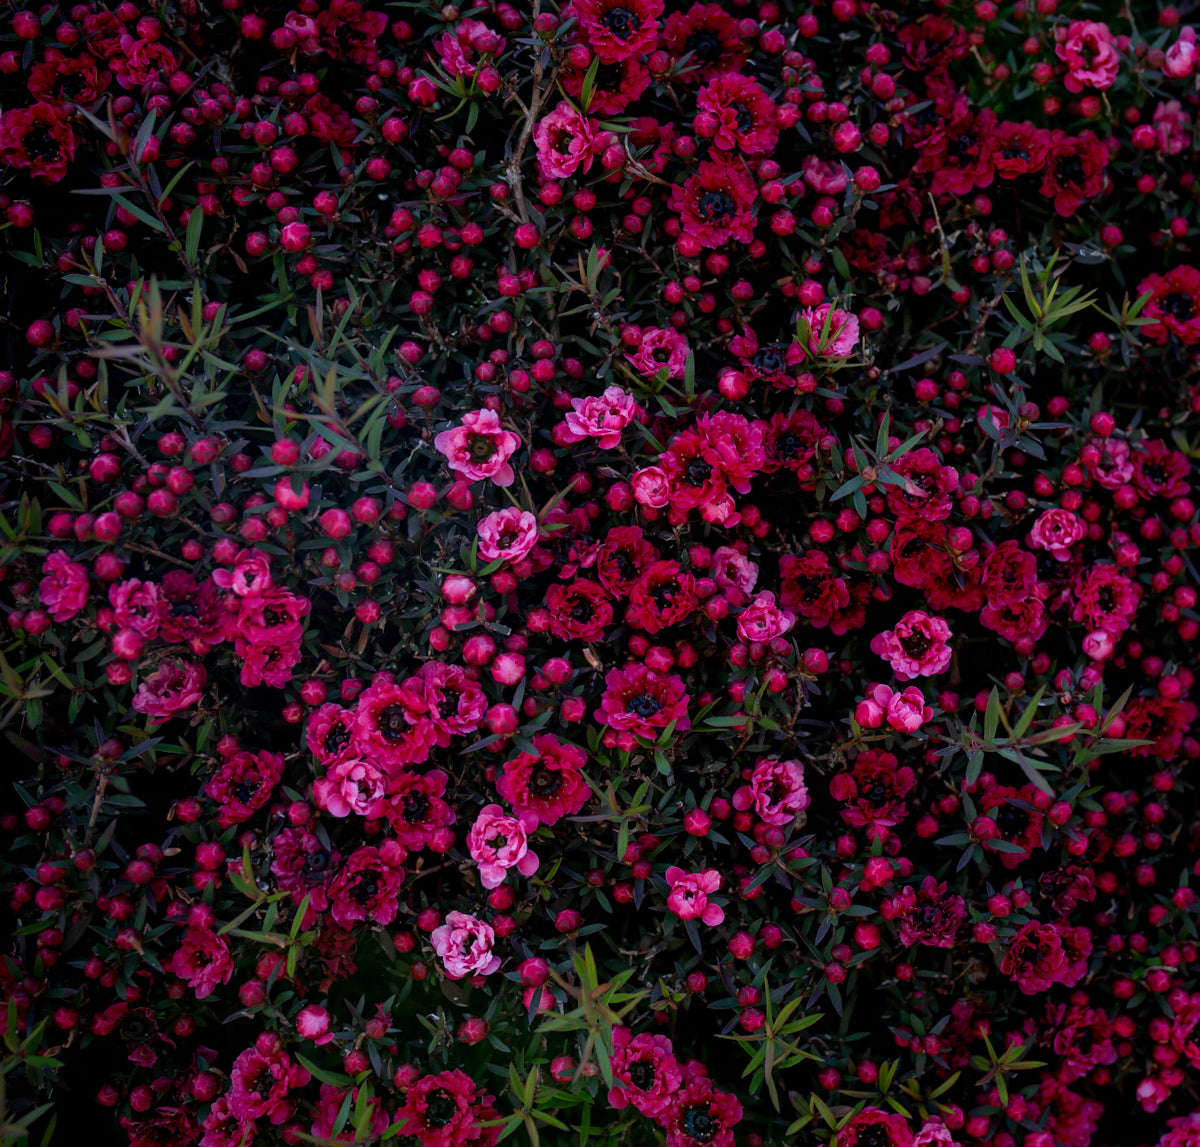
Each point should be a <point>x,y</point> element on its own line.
<point>418,813</point>
<point>701,1116</point>
<point>617,85</point>
<point>244,783</point>
<point>1019,822</point>
<point>446,1110</point>
<point>1159,472</point>
<point>1174,305</point>
<point>736,114</point>
<point>638,702</point>
<point>543,787</point>
<point>708,36</point>
<point>811,588</point>
<point>714,204</point>
<point>664,595</point>
<point>392,723</point>
<point>617,29</point>
<point>646,1072</point>
<point>38,138</point>
<point>1075,170</point>
<point>929,916</point>
<point>368,887</point>
<point>622,558</point>
<point>579,610</point>
<point>873,1127</point>
<point>874,790</point>
<point>1019,149</point>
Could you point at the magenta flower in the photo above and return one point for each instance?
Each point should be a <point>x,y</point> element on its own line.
<point>660,348</point>
<point>564,142</point>
<point>312,1023</point>
<point>175,685</point>
<point>832,333</point>
<point>651,488</point>
<point>688,897</point>
<point>63,589</point>
<point>1089,50</point>
<point>497,843</point>
<point>907,711</point>
<point>1057,531</point>
<point>465,946</point>
<point>351,785</point>
<point>203,960</point>
<point>763,621</point>
<point>917,647</point>
<point>480,448</point>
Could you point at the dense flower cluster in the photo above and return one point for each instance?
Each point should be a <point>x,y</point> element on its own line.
<point>615,569</point>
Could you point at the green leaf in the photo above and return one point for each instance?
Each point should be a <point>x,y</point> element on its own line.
<point>191,245</point>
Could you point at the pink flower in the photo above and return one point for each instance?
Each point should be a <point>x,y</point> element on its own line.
<point>564,142</point>
<point>603,418</point>
<point>917,647</point>
<point>250,576</point>
<point>660,348</point>
<point>508,534</point>
<point>480,448</point>
<point>465,946</point>
<point>762,621</point>
<point>497,843</point>
<point>823,177</point>
<point>1090,53</point>
<point>1182,56</point>
<point>832,333</point>
<point>1057,531</point>
<point>63,589</point>
<point>312,1022</point>
<point>871,711</point>
<point>907,711</point>
<point>933,1133</point>
<point>174,686</point>
<point>203,960</point>
<point>735,574</point>
<point>688,897</point>
<point>651,487</point>
<point>776,792</point>
<point>351,785</point>
<point>368,885</point>
<point>645,1072</point>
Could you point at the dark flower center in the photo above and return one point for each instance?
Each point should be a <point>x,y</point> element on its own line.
<point>641,1074</point>
<point>715,207</point>
<point>245,791</point>
<point>544,782</point>
<point>743,117</point>
<point>416,805</point>
<point>621,22</point>
<point>697,1123</point>
<point>367,886</point>
<point>440,1108</point>
<point>336,739</point>
<point>698,471</point>
<point>316,862</point>
<point>876,794</point>
<point>644,706</point>
<point>1015,151</point>
<point>1179,306</point>
<point>789,447</point>
<point>705,45</point>
<point>873,1135</point>
<point>183,609</point>
<point>40,144</point>
<point>1069,170</point>
<point>482,447</point>
<point>962,146</point>
<point>392,723</point>
<point>770,358</point>
<point>915,643</point>
<point>1011,821</point>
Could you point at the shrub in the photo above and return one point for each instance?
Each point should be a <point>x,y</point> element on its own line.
<point>600,574</point>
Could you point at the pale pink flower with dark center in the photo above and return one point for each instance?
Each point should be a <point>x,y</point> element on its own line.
<point>659,348</point>
<point>498,842</point>
<point>465,946</point>
<point>480,448</point>
<point>688,897</point>
<point>508,534</point>
<point>602,417</point>
<point>917,647</point>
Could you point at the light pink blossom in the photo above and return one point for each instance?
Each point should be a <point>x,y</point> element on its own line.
<point>508,534</point>
<point>776,792</point>
<point>832,333</point>
<point>735,574</point>
<point>465,946</point>
<point>1057,531</point>
<point>688,897</point>
<point>907,711</point>
<point>174,686</point>
<point>602,417</point>
<point>660,347</point>
<point>917,647</point>
<point>480,448</point>
<point>351,785</point>
<point>1182,56</point>
<point>312,1023</point>
<point>63,589</point>
<point>762,620</point>
<point>498,842</point>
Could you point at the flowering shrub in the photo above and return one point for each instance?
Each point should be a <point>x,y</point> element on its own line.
<point>620,572</point>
